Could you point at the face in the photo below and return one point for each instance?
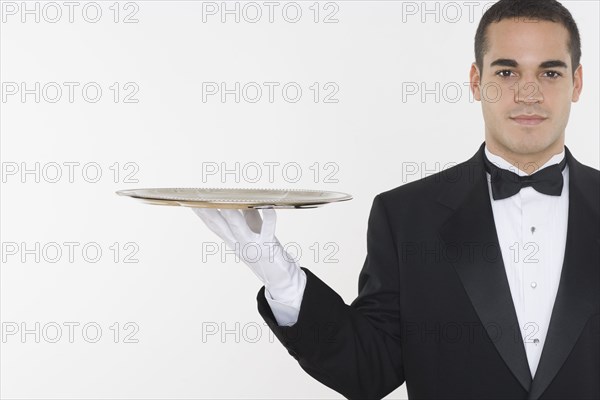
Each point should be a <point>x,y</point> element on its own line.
<point>527,86</point>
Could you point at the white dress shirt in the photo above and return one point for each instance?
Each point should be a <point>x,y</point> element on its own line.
<point>532,231</point>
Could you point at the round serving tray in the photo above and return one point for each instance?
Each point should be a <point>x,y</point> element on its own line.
<point>235,198</point>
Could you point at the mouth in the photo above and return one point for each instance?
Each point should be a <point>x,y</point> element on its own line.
<point>528,119</point>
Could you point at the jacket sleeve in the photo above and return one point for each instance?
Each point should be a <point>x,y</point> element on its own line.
<point>353,349</point>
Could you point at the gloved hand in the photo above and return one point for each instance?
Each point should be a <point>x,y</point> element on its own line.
<point>254,242</point>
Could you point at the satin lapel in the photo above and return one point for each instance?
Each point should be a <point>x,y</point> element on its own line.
<point>579,288</point>
<point>470,234</point>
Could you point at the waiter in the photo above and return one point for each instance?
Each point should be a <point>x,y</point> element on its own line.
<point>483,286</point>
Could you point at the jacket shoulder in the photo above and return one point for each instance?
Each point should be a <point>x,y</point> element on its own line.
<point>431,186</point>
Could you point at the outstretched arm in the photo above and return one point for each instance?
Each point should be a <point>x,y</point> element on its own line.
<point>353,349</point>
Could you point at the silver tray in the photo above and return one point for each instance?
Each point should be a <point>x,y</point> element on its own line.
<point>235,198</point>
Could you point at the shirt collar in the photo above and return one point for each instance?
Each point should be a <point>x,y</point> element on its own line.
<point>502,163</point>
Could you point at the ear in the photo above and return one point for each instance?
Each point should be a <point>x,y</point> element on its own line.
<point>577,83</point>
<point>475,82</point>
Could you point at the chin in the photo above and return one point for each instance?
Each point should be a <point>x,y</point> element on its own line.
<point>530,143</point>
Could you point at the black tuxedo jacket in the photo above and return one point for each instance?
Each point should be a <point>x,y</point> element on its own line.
<point>434,307</point>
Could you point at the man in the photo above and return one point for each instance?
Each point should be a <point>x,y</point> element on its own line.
<point>481,282</point>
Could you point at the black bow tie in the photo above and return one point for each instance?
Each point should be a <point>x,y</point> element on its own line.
<point>505,183</point>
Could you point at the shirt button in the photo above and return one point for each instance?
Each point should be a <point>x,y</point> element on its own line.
<point>533,284</point>
<point>532,229</point>
<point>536,341</point>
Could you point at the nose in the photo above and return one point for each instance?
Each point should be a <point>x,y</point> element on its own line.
<point>528,90</point>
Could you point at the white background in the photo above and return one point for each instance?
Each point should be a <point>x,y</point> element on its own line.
<point>370,137</point>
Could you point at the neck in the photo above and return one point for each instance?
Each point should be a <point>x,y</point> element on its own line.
<point>526,162</point>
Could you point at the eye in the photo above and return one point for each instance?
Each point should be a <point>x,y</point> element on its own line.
<point>555,74</point>
<point>501,73</point>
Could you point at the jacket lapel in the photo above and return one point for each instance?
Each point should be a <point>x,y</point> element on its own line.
<point>579,287</point>
<point>481,270</point>
<point>471,230</point>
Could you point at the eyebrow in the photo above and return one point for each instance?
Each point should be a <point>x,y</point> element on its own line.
<point>507,62</point>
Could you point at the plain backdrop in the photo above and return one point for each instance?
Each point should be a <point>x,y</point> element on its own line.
<point>106,297</point>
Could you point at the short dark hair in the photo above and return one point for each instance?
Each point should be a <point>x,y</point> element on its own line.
<point>545,10</point>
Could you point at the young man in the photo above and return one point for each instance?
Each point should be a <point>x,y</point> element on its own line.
<point>486,285</point>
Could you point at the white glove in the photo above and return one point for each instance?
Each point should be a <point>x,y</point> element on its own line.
<point>254,242</point>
